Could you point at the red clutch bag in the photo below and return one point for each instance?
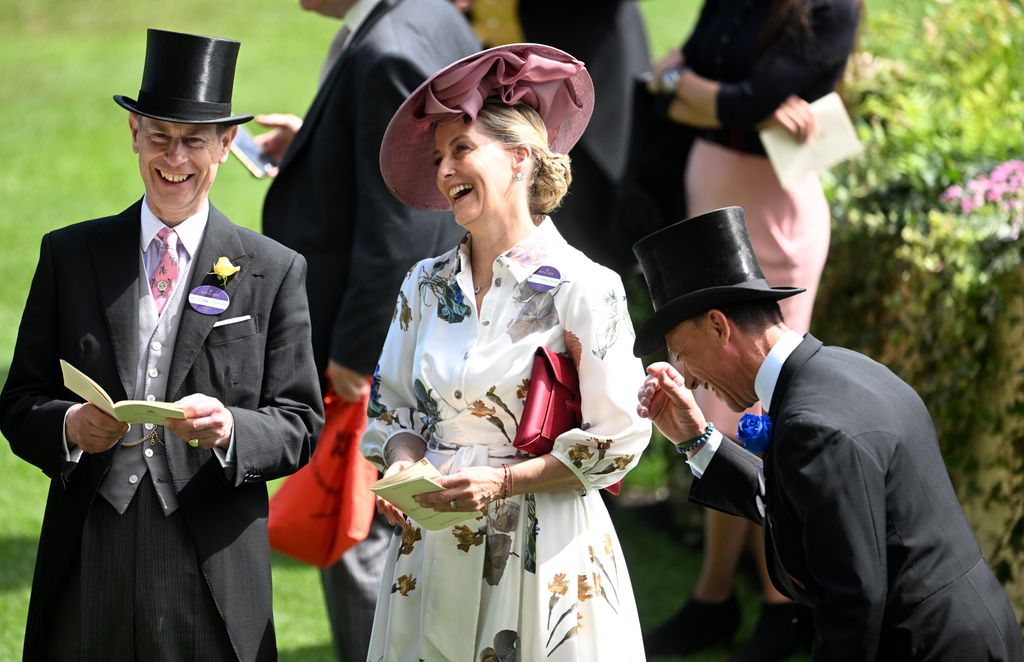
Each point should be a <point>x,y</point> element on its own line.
<point>552,404</point>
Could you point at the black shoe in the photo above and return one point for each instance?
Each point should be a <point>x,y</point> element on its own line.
<point>696,626</point>
<point>781,631</point>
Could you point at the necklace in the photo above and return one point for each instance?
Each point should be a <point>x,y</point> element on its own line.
<point>476,289</point>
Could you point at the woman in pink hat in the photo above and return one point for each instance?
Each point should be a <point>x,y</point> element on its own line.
<point>538,574</point>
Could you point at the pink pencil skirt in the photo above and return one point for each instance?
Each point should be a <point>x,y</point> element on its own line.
<point>789,229</point>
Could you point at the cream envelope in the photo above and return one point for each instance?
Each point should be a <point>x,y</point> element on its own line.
<point>834,141</point>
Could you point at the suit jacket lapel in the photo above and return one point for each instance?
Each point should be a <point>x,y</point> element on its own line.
<point>220,239</point>
<point>115,256</point>
<point>324,93</point>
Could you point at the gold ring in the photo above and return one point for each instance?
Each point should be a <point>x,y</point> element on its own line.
<point>194,443</point>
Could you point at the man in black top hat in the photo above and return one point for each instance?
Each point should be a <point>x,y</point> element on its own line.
<point>154,542</point>
<point>860,518</point>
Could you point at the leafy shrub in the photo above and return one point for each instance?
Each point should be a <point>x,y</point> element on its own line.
<point>926,267</point>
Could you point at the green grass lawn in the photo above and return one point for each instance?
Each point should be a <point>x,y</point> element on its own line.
<point>67,157</point>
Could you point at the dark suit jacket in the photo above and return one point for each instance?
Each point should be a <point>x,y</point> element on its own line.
<point>609,37</point>
<point>329,201</point>
<point>83,307</point>
<point>862,521</point>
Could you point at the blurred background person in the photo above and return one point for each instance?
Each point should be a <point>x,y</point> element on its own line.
<point>539,574</point>
<point>610,38</point>
<point>329,203</point>
<point>745,64</point>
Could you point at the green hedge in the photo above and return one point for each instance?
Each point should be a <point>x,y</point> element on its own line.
<point>926,267</point>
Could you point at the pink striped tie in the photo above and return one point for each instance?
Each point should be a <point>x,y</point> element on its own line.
<point>165,276</point>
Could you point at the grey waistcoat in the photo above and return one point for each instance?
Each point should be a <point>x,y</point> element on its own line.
<point>155,348</point>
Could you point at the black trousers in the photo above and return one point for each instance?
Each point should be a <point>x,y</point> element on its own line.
<point>138,592</point>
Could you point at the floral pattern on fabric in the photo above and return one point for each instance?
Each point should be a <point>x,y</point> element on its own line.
<point>540,570</point>
<point>451,304</point>
<point>505,649</point>
<point>537,312</point>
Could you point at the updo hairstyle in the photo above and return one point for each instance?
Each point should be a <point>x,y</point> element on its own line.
<point>521,126</point>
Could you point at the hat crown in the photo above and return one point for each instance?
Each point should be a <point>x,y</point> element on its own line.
<point>695,265</point>
<point>187,79</point>
<point>709,250</point>
<point>186,66</point>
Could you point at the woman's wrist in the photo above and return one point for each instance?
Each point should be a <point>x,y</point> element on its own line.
<point>409,448</point>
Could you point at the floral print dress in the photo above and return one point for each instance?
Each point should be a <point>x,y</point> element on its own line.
<point>539,576</point>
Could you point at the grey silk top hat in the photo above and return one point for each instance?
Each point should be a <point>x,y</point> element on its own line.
<point>186,79</point>
<point>695,265</point>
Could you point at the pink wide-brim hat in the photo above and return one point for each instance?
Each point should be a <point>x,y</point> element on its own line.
<point>550,81</point>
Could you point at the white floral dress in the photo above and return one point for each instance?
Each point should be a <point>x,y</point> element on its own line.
<point>540,576</point>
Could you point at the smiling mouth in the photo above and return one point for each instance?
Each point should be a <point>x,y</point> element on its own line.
<point>172,178</point>
<point>459,191</point>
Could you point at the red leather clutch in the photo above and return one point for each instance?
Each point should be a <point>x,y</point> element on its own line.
<point>552,402</point>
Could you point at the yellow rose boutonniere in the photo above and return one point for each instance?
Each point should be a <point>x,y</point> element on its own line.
<point>224,270</point>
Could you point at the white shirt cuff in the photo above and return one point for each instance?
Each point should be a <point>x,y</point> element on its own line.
<point>699,462</point>
<point>227,458</point>
<point>69,455</point>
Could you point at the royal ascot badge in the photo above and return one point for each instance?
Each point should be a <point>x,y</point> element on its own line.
<point>544,279</point>
<point>224,270</point>
<point>209,300</point>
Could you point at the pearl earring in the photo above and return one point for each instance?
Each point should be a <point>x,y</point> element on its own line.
<point>519,176</point>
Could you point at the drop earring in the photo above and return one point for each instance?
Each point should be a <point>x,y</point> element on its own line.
<point>519,177</point>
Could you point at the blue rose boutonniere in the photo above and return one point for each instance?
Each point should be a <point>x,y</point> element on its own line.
<point>755,432</point>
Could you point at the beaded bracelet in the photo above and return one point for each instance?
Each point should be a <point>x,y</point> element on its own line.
<point>696,442</point>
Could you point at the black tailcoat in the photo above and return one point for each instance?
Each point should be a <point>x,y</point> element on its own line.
<point>860,518</point>
<point>83,307</point>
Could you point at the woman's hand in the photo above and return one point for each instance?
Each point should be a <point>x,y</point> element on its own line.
<point>671,60</point>
<point>795,116</point>
<point>665,400</point>
<point>467,490</point>
<point>392,514</point>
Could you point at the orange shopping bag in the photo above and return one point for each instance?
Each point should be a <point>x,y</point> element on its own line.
<point>326,507</point>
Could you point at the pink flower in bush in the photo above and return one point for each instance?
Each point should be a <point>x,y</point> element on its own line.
<point>999,193</point>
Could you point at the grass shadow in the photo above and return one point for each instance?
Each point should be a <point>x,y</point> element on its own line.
<point>17,560</point>
<point>315,653</point>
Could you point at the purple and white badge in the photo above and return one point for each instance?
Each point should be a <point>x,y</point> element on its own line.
<point>209,300</point>
<point>544,279</point>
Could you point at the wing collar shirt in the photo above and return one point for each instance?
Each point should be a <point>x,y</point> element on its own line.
<point>764,385</point>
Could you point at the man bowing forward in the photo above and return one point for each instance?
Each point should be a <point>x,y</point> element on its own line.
<point>860,519</point>
<point>154,540</point>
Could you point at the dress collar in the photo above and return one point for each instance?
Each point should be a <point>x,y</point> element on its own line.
<point>542,246</point>
<point>768,374</point>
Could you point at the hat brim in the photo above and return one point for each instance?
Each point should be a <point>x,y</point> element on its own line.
<point>407,150</point>
<point>133,106</point>
<point>651,337</point>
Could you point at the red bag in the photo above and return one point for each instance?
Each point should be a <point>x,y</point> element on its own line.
<point>552,405</point>
<point>327,506</point>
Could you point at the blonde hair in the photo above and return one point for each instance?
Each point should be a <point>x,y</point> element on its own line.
<point>521,126</point>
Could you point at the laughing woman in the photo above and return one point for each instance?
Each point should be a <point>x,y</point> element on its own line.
<point>539,574</point>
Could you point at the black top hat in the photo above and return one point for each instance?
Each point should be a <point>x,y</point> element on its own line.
<point>187,79</point>
<point>695,265</point>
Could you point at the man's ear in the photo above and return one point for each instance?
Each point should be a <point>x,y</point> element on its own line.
<point>718,325</point>
<point>225,141</point>
<point>133,124</point>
